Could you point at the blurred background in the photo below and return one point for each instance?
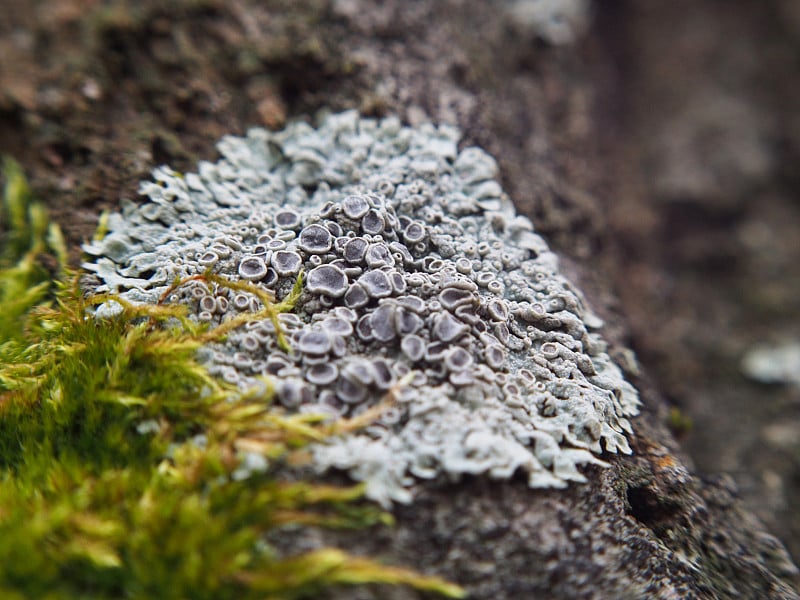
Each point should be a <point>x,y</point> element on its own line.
<point>705,208</point>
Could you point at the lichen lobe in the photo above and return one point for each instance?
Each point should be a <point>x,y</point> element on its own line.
<point>423,285</point>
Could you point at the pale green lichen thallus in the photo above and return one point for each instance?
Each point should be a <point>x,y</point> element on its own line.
<point>419,272</point>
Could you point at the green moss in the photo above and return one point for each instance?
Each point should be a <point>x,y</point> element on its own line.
<point>106,490</point>
<point>29,248</point>
<point>679,422</point>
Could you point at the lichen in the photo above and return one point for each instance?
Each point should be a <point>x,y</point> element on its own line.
<point>126,470</point>
<point>778,363</point>
<point>555,21</point>
<point>421,281</point>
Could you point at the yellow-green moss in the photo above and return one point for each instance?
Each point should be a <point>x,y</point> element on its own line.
<point>106,490</point>
<point>679,422</point>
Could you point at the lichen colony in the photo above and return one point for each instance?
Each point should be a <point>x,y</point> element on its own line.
<point>420,280</point>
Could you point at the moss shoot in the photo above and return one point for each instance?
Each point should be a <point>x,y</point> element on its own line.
<point>119,453</point>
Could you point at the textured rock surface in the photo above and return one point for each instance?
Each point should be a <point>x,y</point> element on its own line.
<point>422,283</point>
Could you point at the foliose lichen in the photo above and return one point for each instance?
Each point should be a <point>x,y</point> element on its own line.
<point>127,471</point>
<point>422,285</point>
<point>558,22</point>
